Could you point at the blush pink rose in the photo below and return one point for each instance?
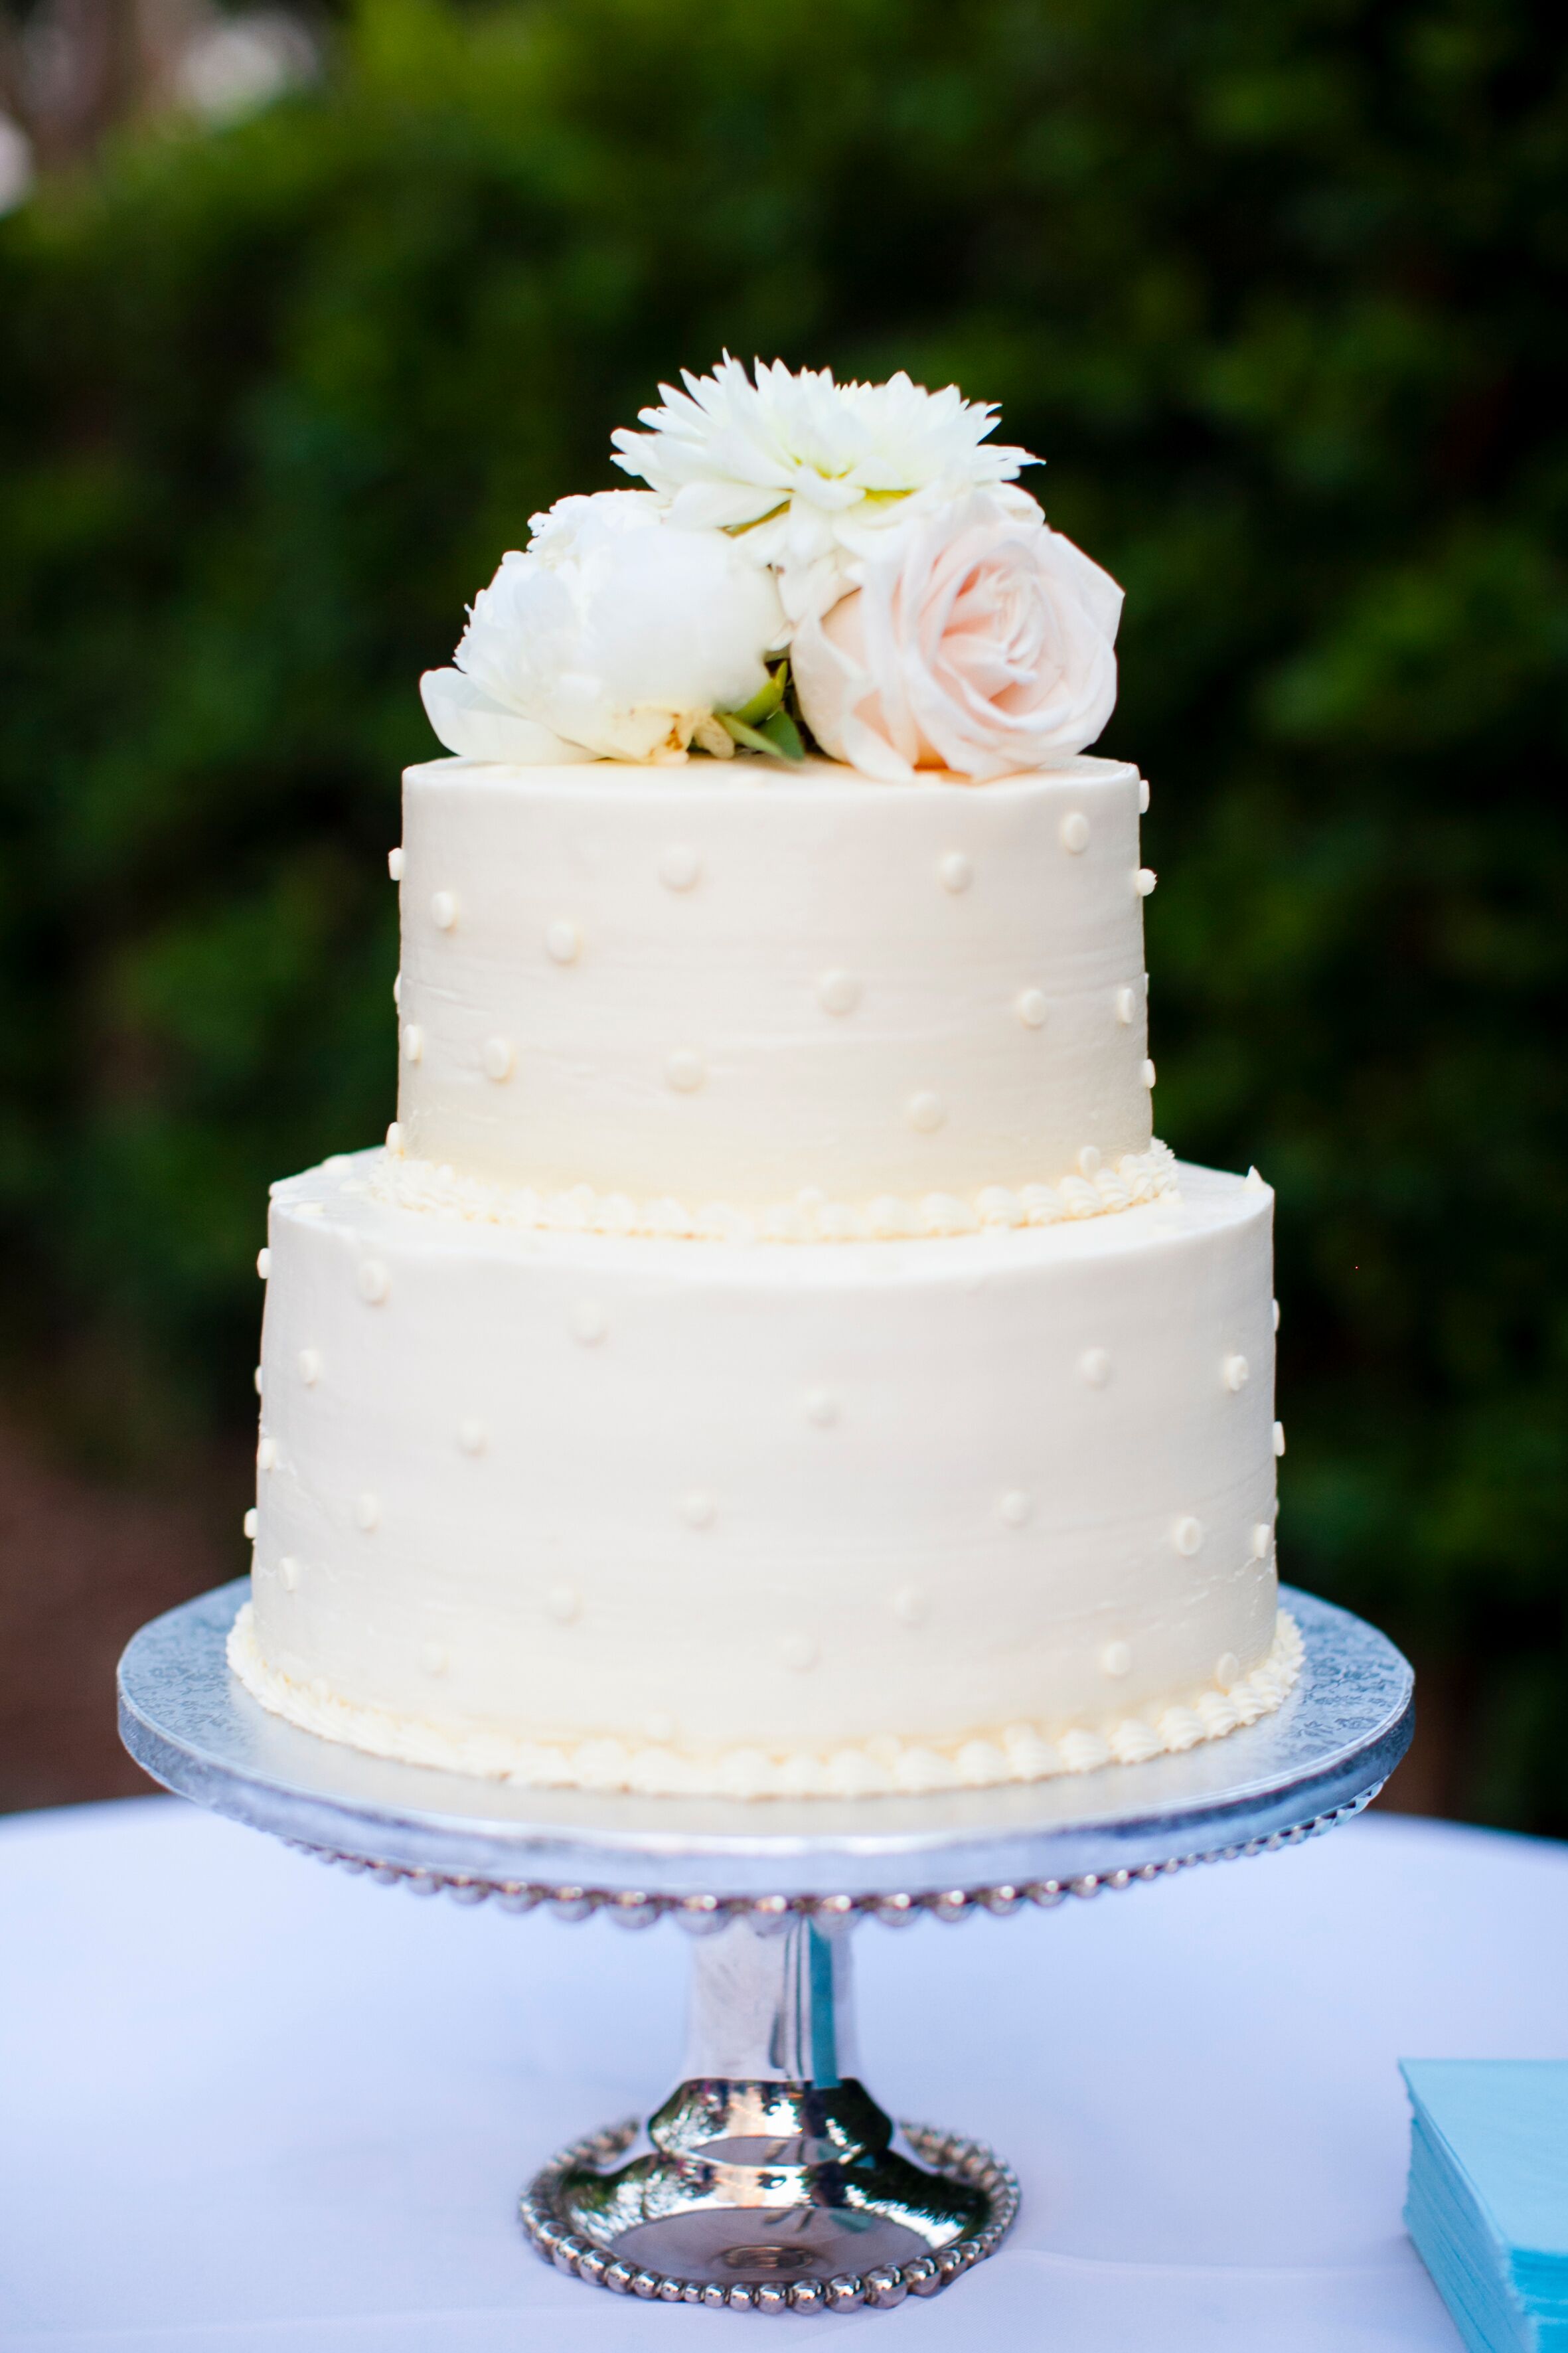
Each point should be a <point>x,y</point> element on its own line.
<point>983,643</point>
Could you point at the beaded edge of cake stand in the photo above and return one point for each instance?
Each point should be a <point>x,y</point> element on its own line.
<point>884,2284</point>
<point>702,1915</point>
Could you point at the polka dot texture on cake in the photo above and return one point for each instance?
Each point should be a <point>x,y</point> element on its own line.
<point>636,1457</point>
<point>953,955</point>
<point>771,1354</point>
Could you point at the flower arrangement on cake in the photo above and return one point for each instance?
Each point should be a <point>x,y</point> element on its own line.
<point>852,564</point>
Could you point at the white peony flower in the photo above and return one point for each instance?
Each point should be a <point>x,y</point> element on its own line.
<point>809,475</point>
<point>981,642</point>
<point>616,635</point>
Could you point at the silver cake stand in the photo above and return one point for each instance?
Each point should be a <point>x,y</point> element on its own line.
<point>770,2179</point>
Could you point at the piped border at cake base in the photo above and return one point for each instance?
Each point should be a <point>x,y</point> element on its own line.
<point>440,1191</point>
<point>880,1768</point>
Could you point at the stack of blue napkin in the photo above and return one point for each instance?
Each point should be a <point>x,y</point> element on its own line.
<point>1489,2196</point>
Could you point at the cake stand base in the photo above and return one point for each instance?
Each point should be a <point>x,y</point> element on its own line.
<point>813,2239</point>
<point>770,2179</point>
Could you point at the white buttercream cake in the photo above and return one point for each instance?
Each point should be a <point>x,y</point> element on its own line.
<point>771,1353</point>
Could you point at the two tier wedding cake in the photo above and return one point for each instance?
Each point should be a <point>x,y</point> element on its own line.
<point>771,1354</point>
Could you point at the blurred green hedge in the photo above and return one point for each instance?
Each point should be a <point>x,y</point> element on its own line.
<point>1279,291</point>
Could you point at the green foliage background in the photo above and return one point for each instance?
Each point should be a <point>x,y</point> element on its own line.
<point>1278,290</point>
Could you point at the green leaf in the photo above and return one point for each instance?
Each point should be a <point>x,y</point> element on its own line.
<point>784,737</point>
<point>755,740</point>
<point>763,703</point>
<point>763,724</point>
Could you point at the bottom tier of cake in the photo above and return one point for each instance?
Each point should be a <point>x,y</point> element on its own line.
<point>697,1516</point>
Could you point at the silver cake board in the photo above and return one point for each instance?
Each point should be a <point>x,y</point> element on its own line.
<point>770,2179</point>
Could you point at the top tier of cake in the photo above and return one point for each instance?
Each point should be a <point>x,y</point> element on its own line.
<point>725,982</point>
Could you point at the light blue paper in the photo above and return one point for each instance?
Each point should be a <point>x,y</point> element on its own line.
<point>1488,2317</point>
<point>1488,2197</point>
<point>1506,2122</point>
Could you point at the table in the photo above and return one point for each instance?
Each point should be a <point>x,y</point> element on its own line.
<point>254,2105</point>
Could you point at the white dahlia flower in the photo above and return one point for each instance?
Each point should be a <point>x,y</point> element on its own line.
<point>809,475</point>
<point>616,634</point>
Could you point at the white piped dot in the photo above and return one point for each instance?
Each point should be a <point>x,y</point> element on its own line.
<point>697,1508</point>
<point>472,1437</point>
<point>1031,1009</point>
<point>395,1140</point>
<point>679,866</point>
<point>372,1280</point>
<point>910,1604</point>
<point>1260,1536</point>
<point>395,864</point>
<point>444,910</point>
<point>798,1652</point>
<point>496,1058</point>
<point>1116,1659</point>
<point>256,1380</point>
<point>1074,832</point>
<point>1235,1372</point>
<point>685,1071</point>
<point>367,1512</point>
<point>1147,1075</point>
<point>288,1572</point>
<point>1253,1180</point>
<point>562,941</point>
<point>838,992</point>
<point>1278,1438</point>
<point>1126,1006</point>
<point>1088,1160</point>
<point>264,1263</point>
<point>1187,1535</point>
<point>1276,1305</point>
<point>927,1112</point>
<point>1143,796</point>
<point>248,1524</point>
<point>1144,882</point>
<point>589,1322</point>
<point>413,1041</point>
<point>397,990</point>
<point>821,1409</point>
<point>956,871</point>
<point>1227,1670</point>
<point>267,1454</point>
<point>564,1602</point>
<point>433,1658</point>
<point>310,1363</point>
<point>1016,1508</point>
<point>1094,1366</point>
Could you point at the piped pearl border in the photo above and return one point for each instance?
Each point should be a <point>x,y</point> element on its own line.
<point>441,1191</point>
<point>1019,1753</point>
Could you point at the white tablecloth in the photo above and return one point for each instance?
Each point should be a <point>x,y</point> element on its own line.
<point>253,2105</point>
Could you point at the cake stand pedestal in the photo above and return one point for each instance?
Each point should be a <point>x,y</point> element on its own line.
<point>770,2179</point>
